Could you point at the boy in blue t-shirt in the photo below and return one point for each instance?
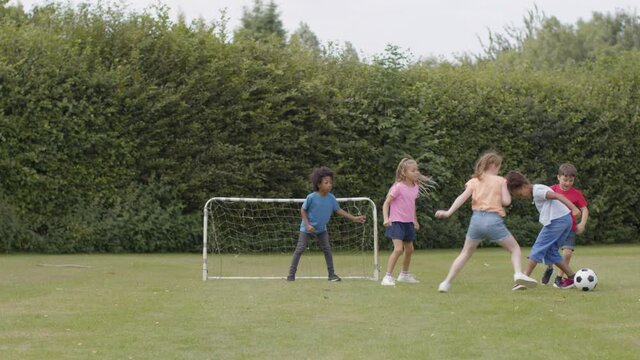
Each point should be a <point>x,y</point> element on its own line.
<point>316,212</point>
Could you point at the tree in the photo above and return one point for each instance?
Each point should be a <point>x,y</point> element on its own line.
<point>261,23</point>
<point>305,38</point>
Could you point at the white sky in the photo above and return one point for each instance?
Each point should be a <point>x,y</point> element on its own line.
<point>424,27</point>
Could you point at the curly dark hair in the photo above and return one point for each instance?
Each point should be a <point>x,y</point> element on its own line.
<point>516,180</point>
<point>318,174</point>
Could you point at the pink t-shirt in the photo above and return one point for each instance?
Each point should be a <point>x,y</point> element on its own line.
<point>487,193</point>
<point>403,206</point>
<point>575,196</point>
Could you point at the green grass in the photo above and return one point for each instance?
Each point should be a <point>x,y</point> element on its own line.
<point>157,307</point>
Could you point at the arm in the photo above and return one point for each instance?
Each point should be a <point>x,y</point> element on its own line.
<point>506,195</point>
<point>550,195</point>
<point>416,224</point>
<point>582,226</point>
<point>359,219</point>
<point>461,199</point>
<point>385,210</point>
<point>305,219</point>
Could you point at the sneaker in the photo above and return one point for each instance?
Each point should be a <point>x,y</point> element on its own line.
<point>517,287</point>
<point>567,283</point>
<point>522,279</point>
<point>291,278</point>
<point>407,278</point>
<point>444,287</point>
<point>546,276</point>
<point>388,280</point>
<point>557,283</point>
<point>334,278</point>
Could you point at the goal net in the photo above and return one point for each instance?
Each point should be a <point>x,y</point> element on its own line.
<point>254,238</point>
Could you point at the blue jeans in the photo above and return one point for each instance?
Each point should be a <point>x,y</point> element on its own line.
<point>547,245</point>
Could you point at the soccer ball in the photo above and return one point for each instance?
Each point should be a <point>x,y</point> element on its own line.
<point>585,279</point>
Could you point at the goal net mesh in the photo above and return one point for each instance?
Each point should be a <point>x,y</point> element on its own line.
<point>255,238</point>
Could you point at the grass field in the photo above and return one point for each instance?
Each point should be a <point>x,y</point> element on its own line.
<point>157,307</point>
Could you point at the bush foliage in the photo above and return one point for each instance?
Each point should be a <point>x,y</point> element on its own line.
<point>116,127</point>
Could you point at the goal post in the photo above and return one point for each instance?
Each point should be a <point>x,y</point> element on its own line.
<point>254,238</point>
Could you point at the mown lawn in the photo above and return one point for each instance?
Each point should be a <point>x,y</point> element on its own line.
<point>157,307</point>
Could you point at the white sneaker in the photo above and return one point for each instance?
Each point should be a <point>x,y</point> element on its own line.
<point>517,287</point>
<point>522,279</point>
<point>407,278</point>
<point>444,287</point>
<point>388,280</point>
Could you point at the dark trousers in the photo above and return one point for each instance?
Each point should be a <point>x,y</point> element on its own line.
<point>303,240</point>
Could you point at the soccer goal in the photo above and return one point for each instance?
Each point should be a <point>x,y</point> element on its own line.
<point>254,238</point>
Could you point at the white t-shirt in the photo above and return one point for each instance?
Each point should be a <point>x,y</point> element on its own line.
<point>549,209</point>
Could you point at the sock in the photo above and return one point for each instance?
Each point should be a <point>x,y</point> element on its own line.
<point>389,274</point>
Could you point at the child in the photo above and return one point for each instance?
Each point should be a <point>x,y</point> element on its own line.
<point>556,224</point>
<point>489,195</point>
<point>399,212</point>
<point>316,212</point>
<point>566,176</point>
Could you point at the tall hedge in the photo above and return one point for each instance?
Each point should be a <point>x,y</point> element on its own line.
<point>116,127</point>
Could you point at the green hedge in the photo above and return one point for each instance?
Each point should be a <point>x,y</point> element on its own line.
<point>115,128</point>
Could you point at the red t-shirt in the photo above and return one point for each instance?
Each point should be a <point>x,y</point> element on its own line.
<point>575,196</point>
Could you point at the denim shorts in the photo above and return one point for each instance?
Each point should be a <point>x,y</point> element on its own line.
<point>487,225</point>
<point>405,231</point>
<point>569,242</point>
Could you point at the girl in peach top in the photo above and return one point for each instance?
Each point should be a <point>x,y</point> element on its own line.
<point>489,195</point>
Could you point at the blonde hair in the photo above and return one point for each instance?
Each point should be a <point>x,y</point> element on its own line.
<point>487,159</point>
<point>425,183</point>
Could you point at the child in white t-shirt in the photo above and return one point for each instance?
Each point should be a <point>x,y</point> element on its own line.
<point>555,217</point>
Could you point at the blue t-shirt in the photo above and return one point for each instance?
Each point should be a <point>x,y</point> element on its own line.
<point>319,210</point>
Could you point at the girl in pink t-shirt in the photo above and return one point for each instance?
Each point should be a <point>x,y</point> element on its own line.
<point>399,211</point>
<point>489,195</point>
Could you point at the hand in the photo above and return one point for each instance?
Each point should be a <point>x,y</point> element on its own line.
<point>442,214</point>
<point>580,229</point>
<point>311,229</point>
<point>576,212</point>
<point>386,223</point>
<point>416,225</point>
<point>360,219</point>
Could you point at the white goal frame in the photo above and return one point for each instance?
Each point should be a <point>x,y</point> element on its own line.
<point>205,267</point>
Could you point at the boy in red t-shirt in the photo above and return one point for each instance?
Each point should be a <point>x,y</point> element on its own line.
<point>566,176</point>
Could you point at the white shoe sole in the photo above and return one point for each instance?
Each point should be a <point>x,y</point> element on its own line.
<point>526,281</point>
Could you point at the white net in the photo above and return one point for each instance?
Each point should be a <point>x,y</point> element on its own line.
<point>248,238</point>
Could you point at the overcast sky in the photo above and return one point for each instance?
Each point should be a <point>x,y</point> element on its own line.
<point>424,27</point>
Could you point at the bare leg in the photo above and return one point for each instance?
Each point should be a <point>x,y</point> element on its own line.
<point>467,251</point>
<point>530,266</point>
<point>408,250</point>
<point>566,254</point>
<point>511,245</point>
<point>393,258</point>
<point>565,268</point>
